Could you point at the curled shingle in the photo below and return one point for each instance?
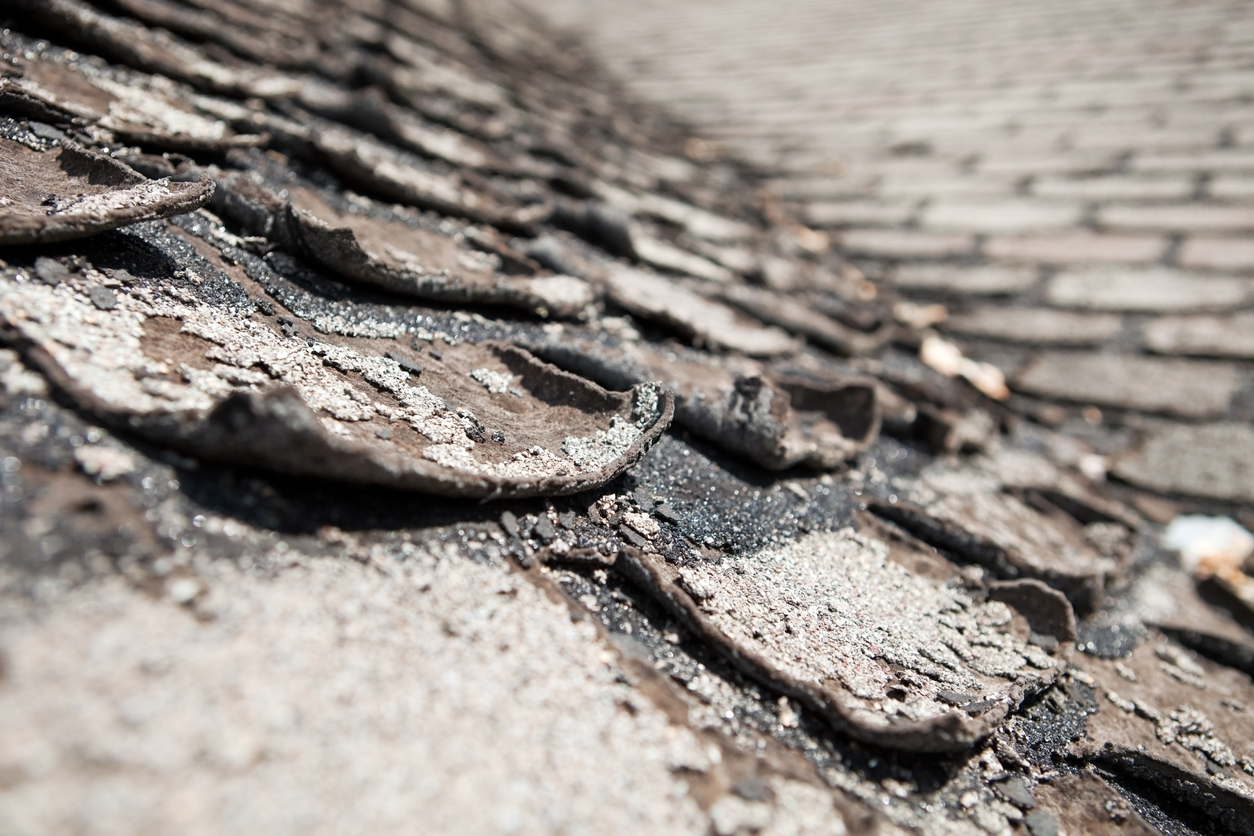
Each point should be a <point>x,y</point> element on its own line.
<point>400,175</point>
<point>418,262</point>
<point>777,419</point>
<point>260,36</point>
<point>155,50</point>
<point>59,190</point>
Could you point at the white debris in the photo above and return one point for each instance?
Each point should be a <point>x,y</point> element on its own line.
<point>184,590</point>
<point>16,379</point>
<point>731,815</point>
<point>105,463</point>
<point>605,446</point>
<point>1208,545</point>
<point>947,358</point>
<point>497,383</point>
<point>642,523</point>
<point>919,316</point>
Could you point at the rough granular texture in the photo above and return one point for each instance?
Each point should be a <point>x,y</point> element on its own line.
<point>605,447</point>
<point>1179,721</point>
<point>60,191</point>
<point>885,654</point>
<point>1214,460</point>
<point>967,512</point>
<point>142,108</point>
<point>163,361</point>
<point>443,675</point>
<point>833,607</point>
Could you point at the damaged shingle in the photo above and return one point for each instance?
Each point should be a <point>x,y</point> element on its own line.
<point>422,263</point>
<point>221,385</point>
<point>400,175</point>
<point>155,50</point>
<point>705,321</point>
<point>259,36</point>
<point>821,619</point>
<point>309,329</point>
<point>799,318</point>
<point>1179,723</point>
<point>778,419</point>
<point>149,110</point>
<point>965,512</point>
<point>60,191</point>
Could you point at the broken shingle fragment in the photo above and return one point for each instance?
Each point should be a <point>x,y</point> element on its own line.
<point>103,298</point>
<point>50,271</point>
<point>1015,790</point>
<point>544,530</point>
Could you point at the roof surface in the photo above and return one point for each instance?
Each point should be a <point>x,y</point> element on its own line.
<point>405,429</point>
